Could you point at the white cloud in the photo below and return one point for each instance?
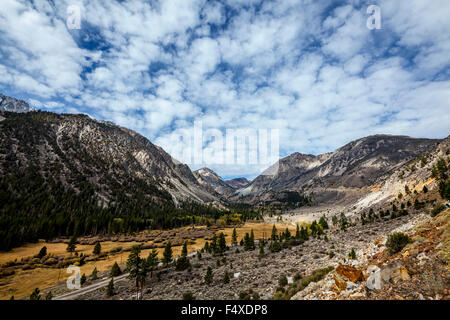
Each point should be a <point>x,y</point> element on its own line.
<point>319,75</point>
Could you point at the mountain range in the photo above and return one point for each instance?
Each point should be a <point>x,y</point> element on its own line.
<point>47,158</point>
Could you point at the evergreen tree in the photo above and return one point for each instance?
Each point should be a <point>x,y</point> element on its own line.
<point>206,247</point>
<point>183,261</point>
<point>343,222</point>
<point>313,228</point>
<point>49,296</point>
<point>323,222</point>
<point>261,249</point>
<point>35,295</point>
<point>115,270</point>
<point>110,288</point>
<point>274,235</point>
<point>71,246</point>
<point>97,249</point>
<point>184,251</point>
<point>352,254</point>
<point>94,275</point>
<point>209,276</point>
<point>222,246</point>
<point>167,254</point>
<point>234,237</point>
<point>297,232</point>
<point>83,279</point>
<point>213,244</point>
<point>137,268</point>
<point>226,278</point>
<point>42,253</point>
<point>134,262</point>
<point>304,234</point>
<point>152,261</point>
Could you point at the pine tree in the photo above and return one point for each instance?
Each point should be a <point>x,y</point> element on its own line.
<point>261,249</point>
<point>137,268</point>
<point>323,222</point>
<point>274,235</point>
<point>304,233</point>
<point>352,254</point>
<point>183,261</point>
<point>297,232</point>
<point>49,296</point>
<point>252,239</point>
<point>71,246</point>
<point>83,279</point>
<point>222,246</point>
<point>94,275</point>
<point>226,278</point>
<point>167,254</point>
<point>184,251</point>
<point>209,276</point>
<point>97,249</point>
<point>213,244</point>
<point>115,270</point>
<point>110,288</point>
<point>35,295</point>
<point>234,237</point>
<point>152,261</point>
<point>133,264</point>
<point>42,253</point>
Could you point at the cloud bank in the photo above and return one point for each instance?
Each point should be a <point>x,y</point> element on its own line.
<point>311,69</point>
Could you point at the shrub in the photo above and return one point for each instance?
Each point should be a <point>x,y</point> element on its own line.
<point>188,296</point>
<point>115,270</point>
<point>396,242</point>
<point>352,254</point>
<point>282,281</point>
<point>208,276</point>
<point>226,278</point>
<point>437,209</point>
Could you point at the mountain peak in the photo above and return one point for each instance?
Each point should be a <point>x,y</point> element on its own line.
<point>8,104</point>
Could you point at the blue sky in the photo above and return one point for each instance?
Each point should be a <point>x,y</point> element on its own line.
<point>311,69</point>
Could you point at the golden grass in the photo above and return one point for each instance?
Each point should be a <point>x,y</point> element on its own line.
<point>24,282</point>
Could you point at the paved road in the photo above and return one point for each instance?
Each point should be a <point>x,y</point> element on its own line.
<point>92,287</point>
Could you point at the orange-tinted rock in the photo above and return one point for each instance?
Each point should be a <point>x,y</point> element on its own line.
<point>351,273</point>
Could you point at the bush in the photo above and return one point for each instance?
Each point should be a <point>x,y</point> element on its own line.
<point>437,209</point>
<point>301,283</point>
<point>115,270</point>
<point>188,296</point>
<point>396,242</point>
<point>282,281</point>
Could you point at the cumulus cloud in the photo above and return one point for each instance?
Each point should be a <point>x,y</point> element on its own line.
<point>309,68</point>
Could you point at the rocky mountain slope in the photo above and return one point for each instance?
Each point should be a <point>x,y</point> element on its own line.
<point>238,183</point>
<point>78,169</point>
<point>344,173</point>
<point>212,182</point>
<point>14,105</point>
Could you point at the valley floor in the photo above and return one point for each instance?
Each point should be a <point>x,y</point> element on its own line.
<point>253,274</point>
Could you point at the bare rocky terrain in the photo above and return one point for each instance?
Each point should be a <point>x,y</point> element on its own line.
<point>249,271</point>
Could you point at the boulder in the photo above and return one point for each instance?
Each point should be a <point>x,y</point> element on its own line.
<point>351,273</point>
<point>392,273</point>
<point>345,275</point>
